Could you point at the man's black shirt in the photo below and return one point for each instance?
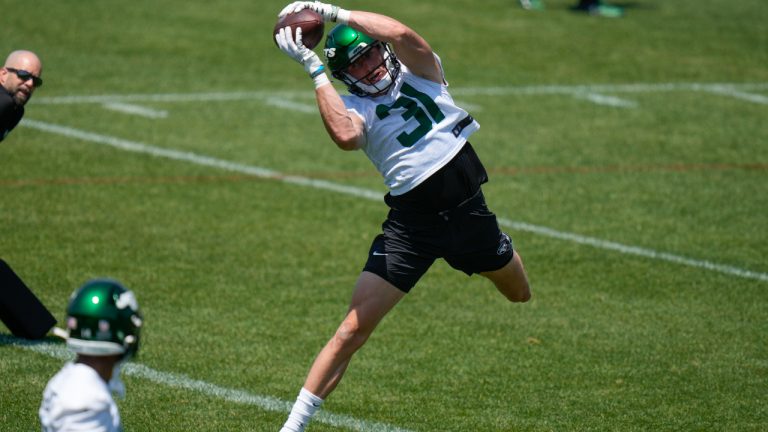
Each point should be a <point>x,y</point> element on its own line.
<point>10,113</point>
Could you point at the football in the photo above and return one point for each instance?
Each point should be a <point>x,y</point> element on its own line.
<point>311,23</point>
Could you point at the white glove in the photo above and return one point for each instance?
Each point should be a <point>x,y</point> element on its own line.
<point>303,55</point>
<point>327,11</point>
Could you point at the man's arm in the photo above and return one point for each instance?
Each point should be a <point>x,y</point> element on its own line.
<point>344,128</point>
<point>7,113</point>
<point>411,49</point>
<point>409,46</point>
<point>6,106</point>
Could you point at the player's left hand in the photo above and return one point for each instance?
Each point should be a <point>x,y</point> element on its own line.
<point>327,11</point>
<point>296,50</point>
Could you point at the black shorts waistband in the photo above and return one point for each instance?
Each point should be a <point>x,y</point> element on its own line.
<point>450,215</point>
<point>455,183</point>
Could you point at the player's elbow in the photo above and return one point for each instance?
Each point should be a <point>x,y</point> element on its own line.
<point>346,146</point>
<point>398,32</point>
<point>347,141</point>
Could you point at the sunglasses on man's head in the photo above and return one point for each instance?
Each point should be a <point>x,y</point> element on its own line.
<point>26,76</point>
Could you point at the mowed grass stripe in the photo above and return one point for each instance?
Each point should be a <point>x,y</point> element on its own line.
<point>376,196</point>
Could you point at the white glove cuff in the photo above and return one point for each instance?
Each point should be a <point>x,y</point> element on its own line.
<point>343,16</point>
<point>321,80</point>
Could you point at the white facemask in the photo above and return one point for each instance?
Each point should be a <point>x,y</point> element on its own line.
<point>383,83</point>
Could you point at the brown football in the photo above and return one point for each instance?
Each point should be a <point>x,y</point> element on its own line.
<point>311,23</point>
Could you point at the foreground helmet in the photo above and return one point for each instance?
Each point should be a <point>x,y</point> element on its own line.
<point>103,319</point>
<point>344,45</point>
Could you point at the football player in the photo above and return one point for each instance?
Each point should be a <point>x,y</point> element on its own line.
<point>401,115</point>
<point>103,326</point>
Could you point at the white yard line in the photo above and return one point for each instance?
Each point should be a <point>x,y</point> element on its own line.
<point>167,97</point>
<point>136,110</point>
<point>737,90</point>
<point>168,379</point>
<point>195,158</point>
<point>468,106</point>
<point>597,93</point>
<point>601,99</point>
<point>606,88</point>
<point>292,105</point>
<point>634,250</point>
<point>732,92</point>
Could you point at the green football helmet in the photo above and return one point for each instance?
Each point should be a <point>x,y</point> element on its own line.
<point>344,45</point>
<point>103,319</point>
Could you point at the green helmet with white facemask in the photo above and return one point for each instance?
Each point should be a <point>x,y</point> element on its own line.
<point>103,319</point>
<point>344,45</point>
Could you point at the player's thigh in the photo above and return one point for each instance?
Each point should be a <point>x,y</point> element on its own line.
<point>372,299</point>
<point>511,280</point>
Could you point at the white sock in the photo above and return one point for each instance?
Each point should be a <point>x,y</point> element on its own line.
<point>305,407</point>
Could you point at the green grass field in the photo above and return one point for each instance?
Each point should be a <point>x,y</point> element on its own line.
<point>628,161</point>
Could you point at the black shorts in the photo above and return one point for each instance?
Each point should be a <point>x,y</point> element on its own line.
<point>465,233</point>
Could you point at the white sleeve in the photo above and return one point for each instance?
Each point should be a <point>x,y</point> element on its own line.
<point>74,403</point>
<point>59,417</point>
<point>442,71</point>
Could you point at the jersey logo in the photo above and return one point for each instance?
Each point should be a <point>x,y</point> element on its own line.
<point>409,100</point>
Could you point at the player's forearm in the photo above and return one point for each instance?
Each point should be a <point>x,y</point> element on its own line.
<point>411,49</point>
<point>378,26</point>
<point>384,28</point>
<point>338,122</point>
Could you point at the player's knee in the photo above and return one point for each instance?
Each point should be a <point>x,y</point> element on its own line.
<point>519,293</point>
<point>521,297</point>
<point>350,337</point>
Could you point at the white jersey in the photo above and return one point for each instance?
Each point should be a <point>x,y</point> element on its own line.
<point>412,131</point>
<point>78,399</point>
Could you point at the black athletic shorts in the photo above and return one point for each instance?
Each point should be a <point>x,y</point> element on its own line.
<point>444,217</point>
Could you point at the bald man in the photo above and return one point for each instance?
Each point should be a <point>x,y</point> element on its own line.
<point>18,78</point>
